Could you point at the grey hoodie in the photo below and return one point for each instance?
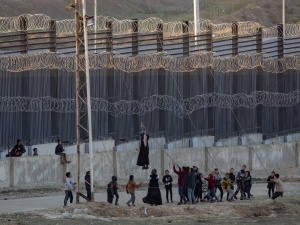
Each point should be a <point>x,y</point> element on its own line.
<point>218,179</point>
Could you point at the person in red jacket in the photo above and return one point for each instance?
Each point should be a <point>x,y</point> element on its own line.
<point>181,174</point>
<point>211,187</point>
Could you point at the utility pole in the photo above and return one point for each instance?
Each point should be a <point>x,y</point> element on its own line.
<point>88,92</point>
<point>283,18</point>
<point>196,20</point>
<point>78,100</point>
<point>95,26</point>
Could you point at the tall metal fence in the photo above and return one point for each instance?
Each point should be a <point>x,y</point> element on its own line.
<point>223,80</point>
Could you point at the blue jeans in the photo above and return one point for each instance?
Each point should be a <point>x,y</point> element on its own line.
<point>211,194</point>
<point>132,198</point>
<point>191,195</point>
<point>180,192</point>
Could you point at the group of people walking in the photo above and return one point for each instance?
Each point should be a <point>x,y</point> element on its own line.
<point>190,187</point>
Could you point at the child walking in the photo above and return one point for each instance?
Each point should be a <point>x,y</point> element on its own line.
<point>68,189</point>
<point>113,186</point>
<point>271,184</point>
<point>167,180</point>
<point>130,188</point>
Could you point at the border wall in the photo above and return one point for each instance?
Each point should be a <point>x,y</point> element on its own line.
<point>47,170</point>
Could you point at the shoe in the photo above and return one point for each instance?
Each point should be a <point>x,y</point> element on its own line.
<point>68,162</point>
<point>202,200</point>
<point>179,203</point>
<point>235,197</point>
<point>172,201</point>
<point>221,200</point>
<point>64,206</point>
<point>116,204</point>
<point>128,204</point>
<point>167,201</point>
<point>212,201</point>
<point>146,167</point>
<point>197,201</point>
<point>133,205</point>
<point>143,168</point>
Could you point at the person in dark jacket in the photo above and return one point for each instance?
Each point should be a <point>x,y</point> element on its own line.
<point>218,183</point>
<point>110,196</point>
<point>143,158</point>
<point>271,184</point>
<point>167,180</point>
<point>113,185</point>
<point>153,195</point>
<point>198,189</point>
<point>18,150</point>
<point>190,183</point>
<point>232,180</point>
<point>240,181</point>
<point>87,180</point>
<point>59,150</point>
<point>181,174</point>
<point>248,185</point>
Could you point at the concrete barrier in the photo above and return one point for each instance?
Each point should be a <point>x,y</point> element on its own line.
<point>43,170</point>
<point>234,141</point>
<point>251,139</point>
<point>202,142</point>
<point>183,143</point>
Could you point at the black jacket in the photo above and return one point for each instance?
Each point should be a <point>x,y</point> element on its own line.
<point>167,180</point>
<point>232,177</point>
<point>271,184</point>
<point>59,149</point>
<point>153,181</point>
<point>87,181</point>
<point>19,149</point>
<point>190,180</point>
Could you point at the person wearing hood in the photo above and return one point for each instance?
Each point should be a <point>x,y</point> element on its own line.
<point>218,181</point>
<point>153,195</point>
<point>143,158</point>
<point>113,185</point>
<point>211,187</point>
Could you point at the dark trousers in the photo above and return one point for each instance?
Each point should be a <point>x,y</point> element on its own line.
<point>198,191</point>
<point>115,193</point>
<point>248,190</point>
<point>269,192</point>
<point>241,188</point>
<point>68,194</point>
<point>221,190</point>
<point>169,190</point>
<point>277,194</point>
<point>89,194</point>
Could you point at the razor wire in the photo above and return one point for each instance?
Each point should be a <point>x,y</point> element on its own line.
<point>49,60</point>
<point>149,25</point>
<point>163,102</point>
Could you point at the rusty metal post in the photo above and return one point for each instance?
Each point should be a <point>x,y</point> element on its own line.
<point>135,37</point>
<point>235,39</point>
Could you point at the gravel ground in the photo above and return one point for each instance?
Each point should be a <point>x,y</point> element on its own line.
<point>48,210</point>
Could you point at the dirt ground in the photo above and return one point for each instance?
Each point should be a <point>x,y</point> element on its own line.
<point>260,210</point>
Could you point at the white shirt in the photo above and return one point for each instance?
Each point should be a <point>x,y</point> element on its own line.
<point>69,185</point>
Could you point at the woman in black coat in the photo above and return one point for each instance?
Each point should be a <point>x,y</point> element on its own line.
<point>153,196</point>
<point>143,158</point>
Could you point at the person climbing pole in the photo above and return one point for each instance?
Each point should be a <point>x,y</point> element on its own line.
<point>143,158</point>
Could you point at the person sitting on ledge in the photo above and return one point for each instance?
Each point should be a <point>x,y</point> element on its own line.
<point>35,152</point>
<point>59,150</point>
<point>18,150</point>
